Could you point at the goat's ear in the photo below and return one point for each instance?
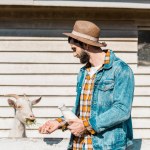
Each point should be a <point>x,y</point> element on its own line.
<point>12,103</point>
<point>36,101</point>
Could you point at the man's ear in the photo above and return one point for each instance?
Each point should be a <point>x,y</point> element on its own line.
<point>36,101</point>
<point>12,103</point>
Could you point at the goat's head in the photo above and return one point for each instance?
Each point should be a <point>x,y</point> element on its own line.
<point>23,108</point>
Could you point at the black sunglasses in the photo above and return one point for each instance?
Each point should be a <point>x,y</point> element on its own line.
<point>74,40</point>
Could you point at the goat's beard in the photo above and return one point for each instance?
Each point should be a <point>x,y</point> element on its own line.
<point>84,57</point>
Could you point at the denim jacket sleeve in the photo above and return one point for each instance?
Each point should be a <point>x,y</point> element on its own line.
<point>122,101</point>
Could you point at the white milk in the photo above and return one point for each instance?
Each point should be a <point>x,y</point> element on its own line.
<point>67,113</point>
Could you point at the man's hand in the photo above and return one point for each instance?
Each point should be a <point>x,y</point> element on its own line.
<point>49,127</point>
<point>76,127</point>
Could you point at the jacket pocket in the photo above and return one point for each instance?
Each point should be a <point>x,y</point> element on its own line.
<point>114,139</point>
<point>106,85</point>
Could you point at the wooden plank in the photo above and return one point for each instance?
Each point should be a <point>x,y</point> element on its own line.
<point>69,101</point>
<point>142,80</point>
<point>56,69</point>
<point>52,101</point>
<point>46,101</point>
<point>122,46</point>
<point>140,112</point>
<point>20,38</point>
<point>31,13</point>
<point>40,68</point>
<point>138,134</point>
<point>96,4</point>
<point>38,112</point>
<point>141,24</point>
<point>138,123</point>
<point>6,123</point>
<point>125,46</point>
<point>49,112</point>
<point>141,101</point>
<point>87,4</point>
<point>67,24</point>
<point>35,46</point>
<point>38,80</point>
<point>133,1</point>
<point>141,133</point>
<point>34,143</point>
<point>35,133</point>
<point>16,57</point>
<point>140,70</point>
<point>58,33</point>
<point>61,80</point>
<point>41,90</point>
<point>142,91</point>
<point>57,90</point>
<point>16,2</point>
<point>52,57</point>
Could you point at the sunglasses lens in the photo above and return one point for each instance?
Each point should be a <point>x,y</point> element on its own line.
<point>74,40</point>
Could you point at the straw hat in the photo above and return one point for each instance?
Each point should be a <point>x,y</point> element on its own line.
<point>86,32</point>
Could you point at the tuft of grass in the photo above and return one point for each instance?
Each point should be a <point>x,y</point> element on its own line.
<point>30,122</point>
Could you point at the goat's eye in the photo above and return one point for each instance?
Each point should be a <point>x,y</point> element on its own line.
<point>19,107</point>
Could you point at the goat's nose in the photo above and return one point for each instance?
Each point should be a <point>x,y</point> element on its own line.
<point>32,116</point>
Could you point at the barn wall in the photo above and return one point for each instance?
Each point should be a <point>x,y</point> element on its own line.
<point>36,59</point>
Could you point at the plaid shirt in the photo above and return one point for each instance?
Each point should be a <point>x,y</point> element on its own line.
<point>85,140</point>
<point>85,107</point>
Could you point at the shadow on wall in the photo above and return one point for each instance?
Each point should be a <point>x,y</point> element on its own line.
<point>54,144</point>
<point>49,141</point>
<point>136,145</point>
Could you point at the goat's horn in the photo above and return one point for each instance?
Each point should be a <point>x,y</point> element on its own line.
<point>12,95</point>
<point>26,97</point>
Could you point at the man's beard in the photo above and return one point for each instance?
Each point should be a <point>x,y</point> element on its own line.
<point>84,57</point>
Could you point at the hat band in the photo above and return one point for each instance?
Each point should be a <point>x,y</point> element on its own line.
<point>85,36</point>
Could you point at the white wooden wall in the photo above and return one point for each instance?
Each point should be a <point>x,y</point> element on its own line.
<point>45,66</point>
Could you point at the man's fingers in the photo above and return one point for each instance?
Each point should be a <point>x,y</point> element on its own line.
<point>43,130</point>
<point>71,127</point>
<point>75,133</point>
<point>70,121</point>
<point>51,129</point>
<point>39,129</point>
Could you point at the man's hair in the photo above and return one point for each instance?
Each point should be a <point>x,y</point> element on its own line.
<point>81,44</point>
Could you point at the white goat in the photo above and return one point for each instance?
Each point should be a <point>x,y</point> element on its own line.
<point>23,114</point>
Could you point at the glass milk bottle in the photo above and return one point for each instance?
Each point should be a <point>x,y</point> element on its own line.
<point>67,113</point>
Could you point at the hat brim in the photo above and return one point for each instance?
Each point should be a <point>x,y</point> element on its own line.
<point>93,43</point>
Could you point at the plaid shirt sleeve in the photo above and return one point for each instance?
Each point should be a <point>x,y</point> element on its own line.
<point>63,123</point>
<point>88,126</point>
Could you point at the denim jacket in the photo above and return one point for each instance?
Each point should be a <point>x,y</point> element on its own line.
<point>111,105</point>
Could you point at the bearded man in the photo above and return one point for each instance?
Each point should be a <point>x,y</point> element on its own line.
<point>105,89</point>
